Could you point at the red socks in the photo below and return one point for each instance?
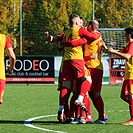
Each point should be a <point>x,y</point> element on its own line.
<point>131,108</point>
<point>64,94</point>
<point>85,87</point>
<point>99,105</point>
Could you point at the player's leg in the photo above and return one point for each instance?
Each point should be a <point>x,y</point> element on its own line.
<point>88,117</point>
<point>63,98</point>
<point>99,105</point>
<point>80,117</point>
<point>129,100</point>
<point>85,84</point>
<point>84,87</point>
<point>79,113</point>
<point>127,96</point>
<point>95,95</point>
<point>67,77</point>
<point>73,108</point>
<point>2,87</point>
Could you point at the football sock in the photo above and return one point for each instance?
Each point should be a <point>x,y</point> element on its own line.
<point>64,94</point>
<point>66,109</point>
<point>72,107</point>
<point>99,105</point>
<point>81,97</point>
<point>131,108</point>
<point>80,112</point>
<point>85,87</point>
<point>86,102</point>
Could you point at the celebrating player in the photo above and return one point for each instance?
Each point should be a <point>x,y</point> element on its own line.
<point>94,65</point>
<point>5,45</point>
<point>127,88</point>
<point>73,63</point>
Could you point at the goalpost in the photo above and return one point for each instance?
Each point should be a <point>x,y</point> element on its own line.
<point>113,37</point>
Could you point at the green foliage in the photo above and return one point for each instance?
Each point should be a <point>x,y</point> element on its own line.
<point>114,13</point>
<point>9,17</point>
<point>83,9</point>
<point>52,15</point>
<point>42,16</point>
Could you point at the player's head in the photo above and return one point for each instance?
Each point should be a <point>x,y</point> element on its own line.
<point>128,34</point>
<point>92,25</point>
<point>74,20</point>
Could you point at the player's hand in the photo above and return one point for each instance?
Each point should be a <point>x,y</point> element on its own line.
<point>111,50</point>
<point>94,56</point>
<point>47,34</point>
<point>10,70</point>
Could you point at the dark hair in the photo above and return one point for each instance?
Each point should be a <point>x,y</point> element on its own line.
<point>129,31</point>
<point>72,16</point>
<point>82,18</point>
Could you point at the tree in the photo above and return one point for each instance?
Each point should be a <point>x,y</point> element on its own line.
<point>52,15</point>
<point>9,12</point>
<point>82,8</point>
<point>47,15</point>
<point>114,13</point>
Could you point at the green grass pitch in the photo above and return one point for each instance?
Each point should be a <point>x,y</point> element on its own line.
<point>22,102</point>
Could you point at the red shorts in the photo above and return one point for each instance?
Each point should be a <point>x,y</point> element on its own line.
<point>127,87</point>
<point>96,76</point>
<point>73,69</point>
<point>2,85</point>
<point>60,83</point>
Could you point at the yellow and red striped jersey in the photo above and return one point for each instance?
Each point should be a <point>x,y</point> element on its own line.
<point>94,47</point>
<point>4,43</point>
<point>129,63</point>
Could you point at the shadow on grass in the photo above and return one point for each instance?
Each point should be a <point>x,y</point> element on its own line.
<point>28,122</point>
<point>44,122</point>
<point>11,122</point>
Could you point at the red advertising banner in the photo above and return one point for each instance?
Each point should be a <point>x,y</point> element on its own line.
<point>31,69</point>
<point>117,67</point>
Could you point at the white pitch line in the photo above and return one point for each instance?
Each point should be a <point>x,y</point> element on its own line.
<point>27,123</point>
<point>117,111</point>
